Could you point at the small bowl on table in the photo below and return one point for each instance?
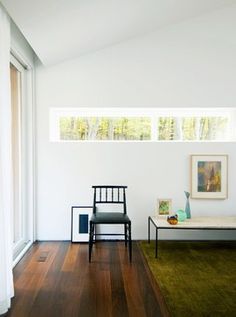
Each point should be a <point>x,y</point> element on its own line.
<point>172,220</point>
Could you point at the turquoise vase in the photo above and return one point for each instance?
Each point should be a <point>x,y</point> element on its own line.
<point>181,215</point>
<point>187,206</point>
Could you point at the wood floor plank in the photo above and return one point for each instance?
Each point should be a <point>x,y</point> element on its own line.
<point>134,298</point>
<point>48,297</point>
<point>119,301</point>
<point>65,284</point>
<point>70,259</point>
<point>30,280</point>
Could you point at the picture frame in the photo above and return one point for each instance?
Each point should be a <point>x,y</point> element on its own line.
<point>80,216</point>
<point>164,206</point>
<point>209,176</point>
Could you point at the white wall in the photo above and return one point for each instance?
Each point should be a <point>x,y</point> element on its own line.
<point>191,64</point>
<point>20,46</point>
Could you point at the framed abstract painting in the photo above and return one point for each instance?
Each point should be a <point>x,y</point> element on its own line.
<point>80,216</point>
<point>209,176</point>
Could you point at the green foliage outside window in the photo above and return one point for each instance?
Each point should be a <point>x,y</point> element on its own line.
<point>189,128</point>
<point>212,128</point>
<point>192,128</point>
<point>140,128</point>
<point>105,128</point>
<point>166,128</point>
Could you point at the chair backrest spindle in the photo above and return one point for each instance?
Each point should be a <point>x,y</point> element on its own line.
<point>124,198</point>
<point>109,194</point>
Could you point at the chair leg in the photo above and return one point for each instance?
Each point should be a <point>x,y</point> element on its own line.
<point>125,225</point>
<point>91,228</point>
<point>130,243</point>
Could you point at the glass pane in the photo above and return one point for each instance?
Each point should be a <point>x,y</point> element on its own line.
<point>105,128</point>
<point>167,128</point>
<point>15,77</point>
<point>189,128</point>
<point>193,128</point>
<point>213,128</point>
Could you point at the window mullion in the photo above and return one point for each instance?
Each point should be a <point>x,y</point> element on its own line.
<point>178,129</point>
<point>154,128</point>
<point>197,129</point>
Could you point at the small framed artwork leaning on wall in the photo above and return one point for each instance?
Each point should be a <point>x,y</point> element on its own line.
<point>164,206</point>
<point>209,176</point>
<point>80,216</point>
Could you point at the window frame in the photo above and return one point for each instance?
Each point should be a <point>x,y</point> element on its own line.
<point>26,156</point>
<point>153,113</point>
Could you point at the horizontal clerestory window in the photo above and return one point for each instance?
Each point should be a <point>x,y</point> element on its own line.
<point>148,124</point>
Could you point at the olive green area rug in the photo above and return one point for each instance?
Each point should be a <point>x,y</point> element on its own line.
<point>195,278</point>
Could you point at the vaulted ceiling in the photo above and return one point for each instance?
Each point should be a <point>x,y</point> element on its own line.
<point>59,30</point>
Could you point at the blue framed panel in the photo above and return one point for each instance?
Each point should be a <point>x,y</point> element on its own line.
<point>80,216</point>
<point>83,223</point>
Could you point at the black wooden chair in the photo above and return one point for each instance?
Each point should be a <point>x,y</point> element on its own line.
<point>110,195</point>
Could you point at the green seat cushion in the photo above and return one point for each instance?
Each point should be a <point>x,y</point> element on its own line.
<point>110,217</point>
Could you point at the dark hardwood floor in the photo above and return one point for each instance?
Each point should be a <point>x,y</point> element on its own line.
<point>55,279</point>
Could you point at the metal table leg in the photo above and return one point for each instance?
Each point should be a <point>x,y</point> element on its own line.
<point>148,229</point>
<point>156,240</point>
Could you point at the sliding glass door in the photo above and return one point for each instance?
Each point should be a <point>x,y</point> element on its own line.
<point>20,213</point>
